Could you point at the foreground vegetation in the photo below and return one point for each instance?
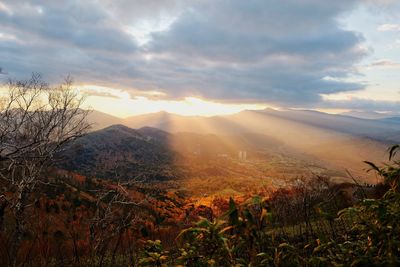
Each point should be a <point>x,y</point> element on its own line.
<point>365,234</point>
<point>51,217</point>
<point>302,226</point>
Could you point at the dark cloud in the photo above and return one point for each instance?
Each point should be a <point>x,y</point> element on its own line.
<point>57,39</point>
<point>77,23</point>
<point>273,51</point>
<point>282,52</point>
<point>129,11</point>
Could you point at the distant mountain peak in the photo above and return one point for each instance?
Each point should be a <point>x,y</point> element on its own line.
<point>117,127</point>
<point>151,129</point>
<point>370,115</point>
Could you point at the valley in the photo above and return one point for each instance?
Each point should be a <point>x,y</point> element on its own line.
<point>204,157</point>
<point>287,143</point>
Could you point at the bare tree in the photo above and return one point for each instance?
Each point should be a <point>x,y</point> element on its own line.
<point>115,213</point>
<point>36,121</point>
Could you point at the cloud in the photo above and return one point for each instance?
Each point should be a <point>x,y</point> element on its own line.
<point>129,11</point>
<point>278,52</point>
<point>80,24</point>
<point>389,27</point>
<point>87,92</point>
<point>265,50</point>
<point>384,64</point>
<point>75,38</point>
<point>5,9</point>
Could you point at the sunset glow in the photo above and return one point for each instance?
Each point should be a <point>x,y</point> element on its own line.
<point>122,104</point>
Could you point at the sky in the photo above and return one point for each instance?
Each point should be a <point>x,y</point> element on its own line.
<point>209,57</point>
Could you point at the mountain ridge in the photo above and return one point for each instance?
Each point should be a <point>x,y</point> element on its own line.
<point>379,129</point>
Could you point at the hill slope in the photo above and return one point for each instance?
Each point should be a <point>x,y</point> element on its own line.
<point>343,142</point>
<point>120,152</point>
<point>340,142</point>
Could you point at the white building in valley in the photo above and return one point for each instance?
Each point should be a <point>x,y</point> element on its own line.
<point>242,155</point>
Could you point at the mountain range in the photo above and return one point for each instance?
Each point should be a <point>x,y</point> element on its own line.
<point>263,121</point>
<point>162,141</point>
